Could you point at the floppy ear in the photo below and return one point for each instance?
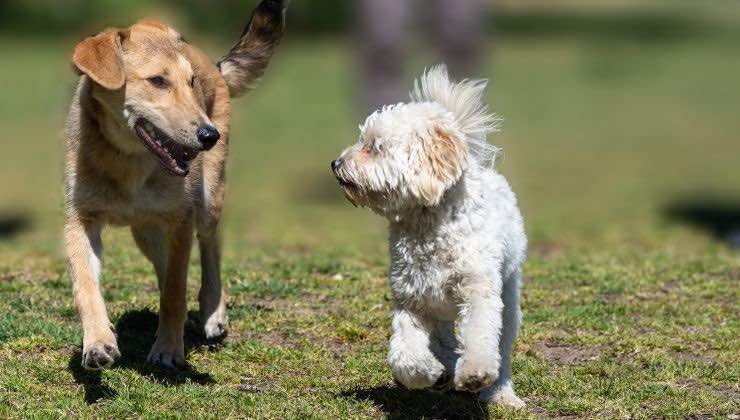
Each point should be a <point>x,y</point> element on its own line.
<point>99,56</point>
<point>447,154</point>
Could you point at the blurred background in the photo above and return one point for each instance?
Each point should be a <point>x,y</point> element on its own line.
<point>621,116</point>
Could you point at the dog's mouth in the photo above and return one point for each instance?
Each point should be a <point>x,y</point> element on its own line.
<point>349,189</point>
<point>346,184</point>
<point>173,156</point>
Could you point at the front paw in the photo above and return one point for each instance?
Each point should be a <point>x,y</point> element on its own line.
<point>473,376</point>
<point>415,372</point>
<point>100,354</point>
<point>503,396</point>
<point>167,353</point>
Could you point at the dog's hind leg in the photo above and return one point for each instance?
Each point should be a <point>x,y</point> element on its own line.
<point>502,391</point>
<point>152,242</point>
<point>211,298</point>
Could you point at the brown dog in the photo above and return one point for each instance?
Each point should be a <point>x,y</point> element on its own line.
<point>147,138</point>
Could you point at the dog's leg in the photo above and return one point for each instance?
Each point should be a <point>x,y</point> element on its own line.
<point>478,332</point>
<point>152,242</point>
<point>168,349</point>
<point>84,249</point>
<point>410,355</point>
<point>211,297</point>
<point>502,391</point>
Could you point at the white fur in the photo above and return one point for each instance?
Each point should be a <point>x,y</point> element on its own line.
<point>456,256</point>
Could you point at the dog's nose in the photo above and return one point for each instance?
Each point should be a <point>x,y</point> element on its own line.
<point>208,135</point>
<point>335,164</point>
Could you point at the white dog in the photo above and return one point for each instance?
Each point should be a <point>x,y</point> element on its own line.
<point>457,241</point>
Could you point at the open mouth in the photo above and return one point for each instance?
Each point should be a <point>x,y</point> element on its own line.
<point>350,189</point>
<point>346,184</point>
<point>173,156</point>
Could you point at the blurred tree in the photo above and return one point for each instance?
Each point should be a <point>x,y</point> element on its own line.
<point>305,16</point>
<point>54,16</point>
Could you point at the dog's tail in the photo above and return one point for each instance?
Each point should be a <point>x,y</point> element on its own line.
<point>465,100</point>
<point>247,60</point>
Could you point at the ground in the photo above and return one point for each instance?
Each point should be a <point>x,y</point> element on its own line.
<point>623,153</point>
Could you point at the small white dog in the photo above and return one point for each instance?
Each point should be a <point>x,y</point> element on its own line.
<point>457,240</point>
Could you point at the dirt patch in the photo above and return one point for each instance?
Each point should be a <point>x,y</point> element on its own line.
<point>273,338</point>
<point>566,354</point>
<point>670,288</point>
<point>545,249</point>
<point>8,277</point>
<point>309,305</point>
<point>541,413</point>
<point>728,392</point>
<point>681,356</point>
<point>725,392</point>
<point>252,386</point>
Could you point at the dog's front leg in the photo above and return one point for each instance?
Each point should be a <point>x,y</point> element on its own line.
<point>84,249</point>
<point>410,355</point>
<point>478,333</point>
<point>169,348</point>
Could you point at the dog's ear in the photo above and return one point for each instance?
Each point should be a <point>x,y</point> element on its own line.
<point>99,56</point>
<point>447,154</point>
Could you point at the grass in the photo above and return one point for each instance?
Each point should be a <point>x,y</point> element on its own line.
<point>627,311</point>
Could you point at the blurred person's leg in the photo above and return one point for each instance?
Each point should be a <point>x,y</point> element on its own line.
<point>382,26</point>
<point>459,29</point>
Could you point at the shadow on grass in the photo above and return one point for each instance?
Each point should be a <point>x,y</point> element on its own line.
<point>718,217</point>
<point>136,330</point>
<point>397,402</point>
<point>13,224</point>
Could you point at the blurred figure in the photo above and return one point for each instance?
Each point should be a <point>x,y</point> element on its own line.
<point>455,27</point>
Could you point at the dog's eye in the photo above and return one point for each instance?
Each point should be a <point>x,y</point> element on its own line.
<point>158,81</point>
<point>368,148</point>
<point>192,81</point>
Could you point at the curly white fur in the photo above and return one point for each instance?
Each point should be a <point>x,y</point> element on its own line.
<point>457,239</point>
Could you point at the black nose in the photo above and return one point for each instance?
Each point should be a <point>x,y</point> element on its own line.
<point>335,164</point>
<point>208,135</point>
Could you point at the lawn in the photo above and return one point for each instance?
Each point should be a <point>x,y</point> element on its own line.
<point>623,152</point>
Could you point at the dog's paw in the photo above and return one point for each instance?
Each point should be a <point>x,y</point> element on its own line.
<point>167,353</point>
<point>504,397</point>
<point>473,377</point>
<point>214,326</point>
<point>508,399</point>
<point>417,373</point>
<point>100,355</point>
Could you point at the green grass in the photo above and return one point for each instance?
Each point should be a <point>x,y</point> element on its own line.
<point>626,312</point>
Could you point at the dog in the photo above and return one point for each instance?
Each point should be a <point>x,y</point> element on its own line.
<point>147,137</point>
<point>457,241</point>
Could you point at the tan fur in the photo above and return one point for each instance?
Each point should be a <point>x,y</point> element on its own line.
<point>446,153</point>
<point>100,57</point>
<point>112,178</point>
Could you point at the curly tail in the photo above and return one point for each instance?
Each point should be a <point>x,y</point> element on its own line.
<point>247,60</point>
